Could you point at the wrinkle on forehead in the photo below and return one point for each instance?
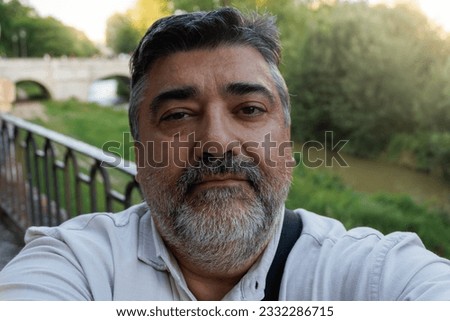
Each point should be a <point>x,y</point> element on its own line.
<point>205,67</point>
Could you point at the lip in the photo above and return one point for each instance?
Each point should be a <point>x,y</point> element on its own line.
<point>221,180</point>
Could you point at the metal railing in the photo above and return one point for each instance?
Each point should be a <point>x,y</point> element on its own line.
<point>47,178</point>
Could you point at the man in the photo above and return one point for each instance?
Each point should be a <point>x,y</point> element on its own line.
<point>210,115</point>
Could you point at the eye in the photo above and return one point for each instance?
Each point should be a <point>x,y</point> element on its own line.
<point>174,116</point>
<point>252,110</point>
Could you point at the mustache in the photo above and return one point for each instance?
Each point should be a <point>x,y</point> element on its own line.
<point>235,165</point>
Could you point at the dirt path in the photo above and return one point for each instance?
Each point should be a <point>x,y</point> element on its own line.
<point>29,110</point>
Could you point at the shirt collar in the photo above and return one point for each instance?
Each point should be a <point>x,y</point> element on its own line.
<point>151,245</point>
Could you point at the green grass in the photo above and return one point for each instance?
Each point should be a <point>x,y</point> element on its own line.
<point>320,192</point>
<point>315,190</point>
<point>90,123</point>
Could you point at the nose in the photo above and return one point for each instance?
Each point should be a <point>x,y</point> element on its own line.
<point>216,135</point>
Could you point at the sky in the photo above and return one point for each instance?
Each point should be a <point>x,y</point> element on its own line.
<point>437,10</point>
<point>90,16</point>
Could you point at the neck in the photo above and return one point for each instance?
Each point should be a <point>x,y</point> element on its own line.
<point>212,286</point>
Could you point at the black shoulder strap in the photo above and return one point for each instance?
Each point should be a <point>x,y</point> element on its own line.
<point>290,232</point>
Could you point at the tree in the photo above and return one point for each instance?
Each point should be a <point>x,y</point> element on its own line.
<point>50,36</point>
<point>145,12</point>
<point>362,74</point>
<point>189,5</point>
<point>123,31</point>
<point>24,33</point>
<point>10,13</point>
<point>121,35</point>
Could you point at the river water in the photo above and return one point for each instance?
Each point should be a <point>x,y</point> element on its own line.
<point>372,176</point>
<point>105,92</point>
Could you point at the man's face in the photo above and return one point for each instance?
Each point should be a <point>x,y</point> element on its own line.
<point>213,153</point>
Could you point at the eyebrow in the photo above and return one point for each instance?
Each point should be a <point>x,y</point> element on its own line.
<point>181,93</point>
<point>244,88</point>
<point>187,92</point>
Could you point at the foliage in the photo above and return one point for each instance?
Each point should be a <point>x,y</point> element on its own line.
<point>189,5</point>
<point>145,12</point>
<point>426,151</point>
<point>9,13</point>
<point>25,34</point>
<point>121,36</point>
<point>320,192</point>
<point>123,31</point>
<point>366,73</point>
<point>49,36</point>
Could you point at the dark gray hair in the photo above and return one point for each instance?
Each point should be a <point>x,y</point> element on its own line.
<point>198,30</point>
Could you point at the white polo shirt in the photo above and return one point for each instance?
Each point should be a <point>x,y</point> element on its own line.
<point>121,256</point>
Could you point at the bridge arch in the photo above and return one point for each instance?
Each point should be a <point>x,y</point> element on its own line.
<point>112,89</point>
<point>63,78</point>
<point>32,89</point>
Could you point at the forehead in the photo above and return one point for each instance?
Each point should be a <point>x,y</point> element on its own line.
<point>205,68</point>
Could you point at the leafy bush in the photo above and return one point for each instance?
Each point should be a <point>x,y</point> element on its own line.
<point>426,151</point>
<point>325,194</point>
<point>367,73</point>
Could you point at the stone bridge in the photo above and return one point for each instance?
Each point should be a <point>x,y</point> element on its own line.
<point>63,78</point>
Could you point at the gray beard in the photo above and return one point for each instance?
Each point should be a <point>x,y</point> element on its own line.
<point>219,235</point>
<point>219,229</point>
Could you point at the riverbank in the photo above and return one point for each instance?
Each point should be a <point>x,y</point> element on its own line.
<point>378,176</point>
<point>381,176</point>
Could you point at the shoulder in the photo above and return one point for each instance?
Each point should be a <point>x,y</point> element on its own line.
<point>326,230</point>
<point>328,234</point>
<point>96,236</point>
<point>94,224</point>
<point>363,263</point>
<point>77,260</point>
